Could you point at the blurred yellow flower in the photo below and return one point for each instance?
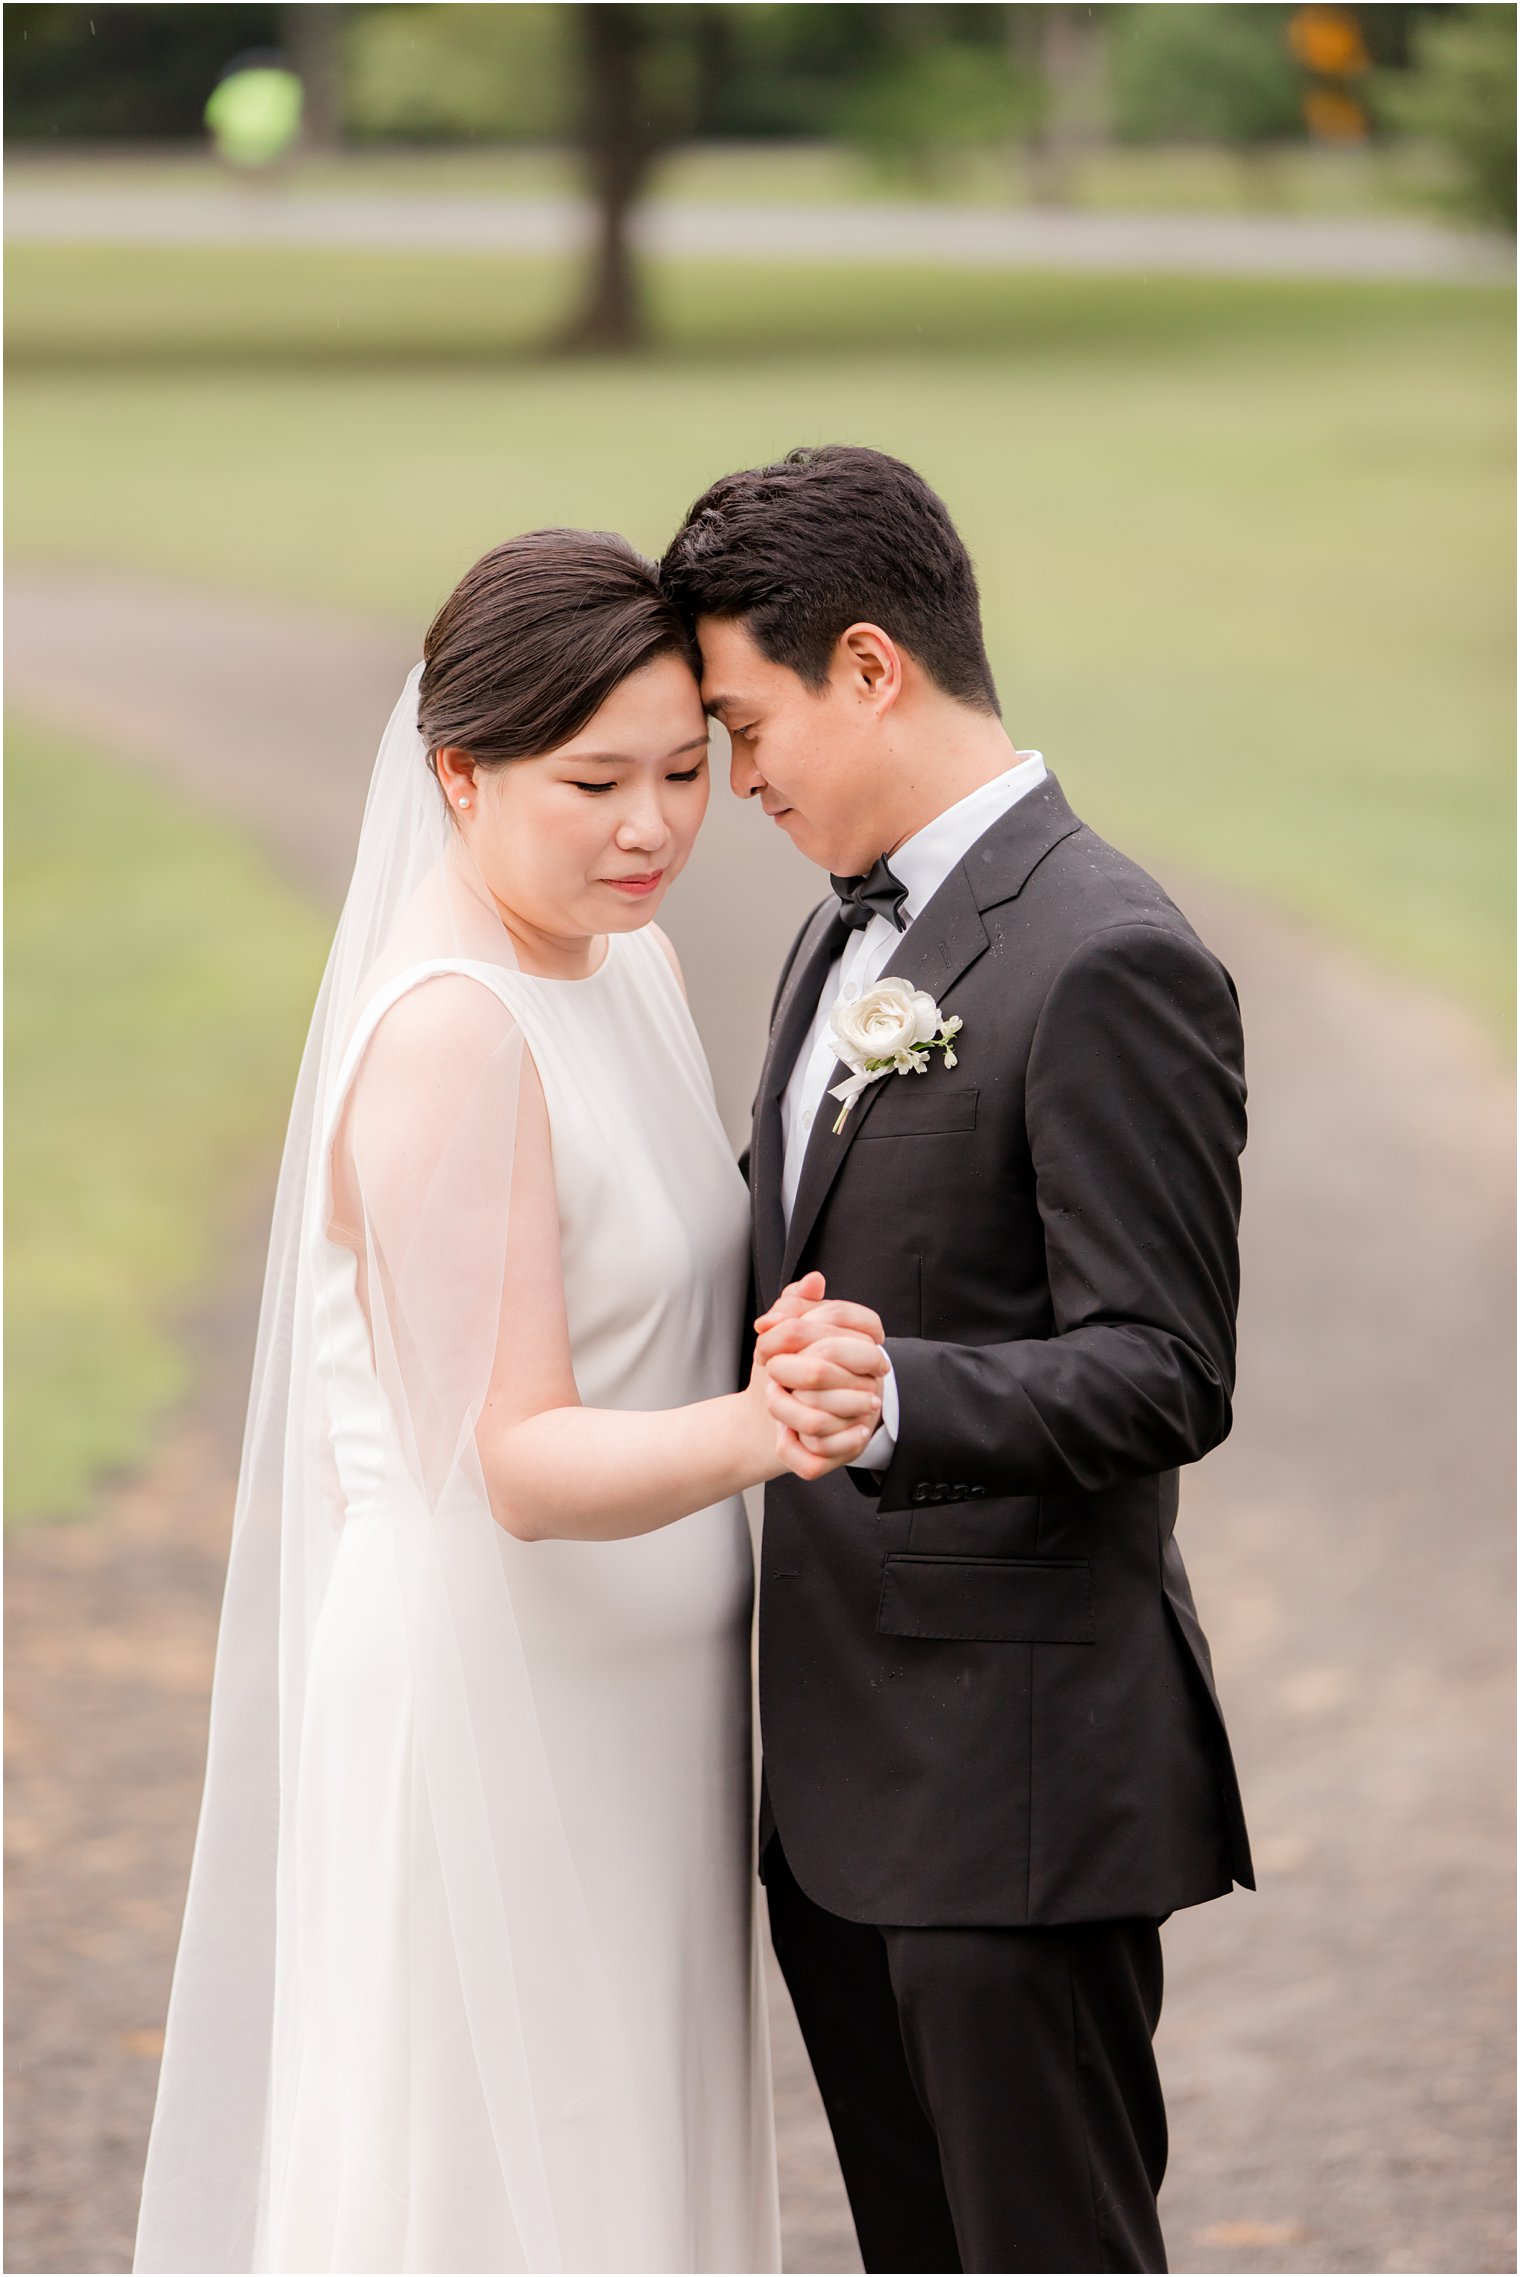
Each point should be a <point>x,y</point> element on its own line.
<point>1333,116</point>
<point>1329,41</point>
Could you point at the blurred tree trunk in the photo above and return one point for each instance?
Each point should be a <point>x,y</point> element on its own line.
<point>1057,43</point>
<point>312,36</point>
<point>620,144</point>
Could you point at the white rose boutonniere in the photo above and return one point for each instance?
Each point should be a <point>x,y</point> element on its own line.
<point>891,1030</point>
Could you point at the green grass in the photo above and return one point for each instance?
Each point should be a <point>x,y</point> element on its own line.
<point>255,310</point>
<point>1246,548</point>
<point>159,983</point>
<point>1380,179</point>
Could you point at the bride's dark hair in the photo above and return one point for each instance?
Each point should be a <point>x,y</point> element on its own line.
<point>533,640</point>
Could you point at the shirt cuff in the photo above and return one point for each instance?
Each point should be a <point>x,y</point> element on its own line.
<point>882,1445</point>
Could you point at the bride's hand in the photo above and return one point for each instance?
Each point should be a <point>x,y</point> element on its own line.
<point>823,1363</point>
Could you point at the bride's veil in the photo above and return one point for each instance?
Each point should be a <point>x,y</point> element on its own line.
<point>394,1188</point>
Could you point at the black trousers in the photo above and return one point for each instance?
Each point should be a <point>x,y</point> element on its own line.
<point>992,2092</point>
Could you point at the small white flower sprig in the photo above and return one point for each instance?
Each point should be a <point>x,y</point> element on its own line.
<point>891,1030</point>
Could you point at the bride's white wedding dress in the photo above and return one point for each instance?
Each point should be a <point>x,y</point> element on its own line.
<point>637,1656</point>
<point>469,1976</point>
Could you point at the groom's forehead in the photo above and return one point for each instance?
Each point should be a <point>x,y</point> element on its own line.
<point>718,697</point>
<point>727,647</point>
<point>730,660</point>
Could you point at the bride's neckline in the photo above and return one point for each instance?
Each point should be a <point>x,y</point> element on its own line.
<point>578,979</point>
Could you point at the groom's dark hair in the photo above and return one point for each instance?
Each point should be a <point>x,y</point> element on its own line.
<point>824,539</point>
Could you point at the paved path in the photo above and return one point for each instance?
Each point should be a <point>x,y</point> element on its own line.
<point>972,237</point>
<point>1338,2049</point>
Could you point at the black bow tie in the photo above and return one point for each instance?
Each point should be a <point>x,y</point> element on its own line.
<point>878,894</point>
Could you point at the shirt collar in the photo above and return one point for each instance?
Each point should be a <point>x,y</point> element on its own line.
<point>924,861</point>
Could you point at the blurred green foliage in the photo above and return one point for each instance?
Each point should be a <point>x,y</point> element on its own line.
<point>1216,71</point>
<point>121,70</point>
<point>158,987</point>
<point>1203,72</point>
<point>442,72</point>
<point>1461,96</point>
<point>920,89</point>
<point>911,86</point>
<point>834,69</point>
<point>1246,547</point>
<point>915,108</point>
<point>904,83</point>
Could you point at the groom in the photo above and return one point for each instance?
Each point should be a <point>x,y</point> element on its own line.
<point>993,1754</point>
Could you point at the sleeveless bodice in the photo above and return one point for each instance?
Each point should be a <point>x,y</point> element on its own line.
<point>653,1210</point>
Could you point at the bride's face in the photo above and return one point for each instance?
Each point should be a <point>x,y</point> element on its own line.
<point>587,838</point>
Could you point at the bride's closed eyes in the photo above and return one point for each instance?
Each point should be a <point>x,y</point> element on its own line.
<point>686,775</point>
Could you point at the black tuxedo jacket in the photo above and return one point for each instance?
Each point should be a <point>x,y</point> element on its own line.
<point>985,1696</point>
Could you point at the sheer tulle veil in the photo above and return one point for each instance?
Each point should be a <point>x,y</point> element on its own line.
<point>394,1185</point>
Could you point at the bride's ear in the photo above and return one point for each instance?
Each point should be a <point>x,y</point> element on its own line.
<point>456,774</point>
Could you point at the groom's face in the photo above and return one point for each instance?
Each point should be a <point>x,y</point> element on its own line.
<point>810,756</point>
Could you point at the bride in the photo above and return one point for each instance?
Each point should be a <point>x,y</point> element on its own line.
<point>469,1977</point>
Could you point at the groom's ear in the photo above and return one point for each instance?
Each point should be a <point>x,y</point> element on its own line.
<point>869,663</point>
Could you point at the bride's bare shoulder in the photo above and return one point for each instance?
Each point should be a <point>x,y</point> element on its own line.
<point>667,951</point>
<point>436,1021</point>
<point>445,1053</point>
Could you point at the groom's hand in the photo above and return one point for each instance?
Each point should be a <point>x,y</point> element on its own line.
<point>805,1308</point>
<point>823,1359</point>
<point>795,1298</point>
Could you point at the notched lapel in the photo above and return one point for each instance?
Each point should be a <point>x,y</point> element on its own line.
<point>799,1000</point>
<point>794,1014</point>
<point>934,952</point>
<point>938,947</point>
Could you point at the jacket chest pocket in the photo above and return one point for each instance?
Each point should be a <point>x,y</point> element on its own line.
<point>920,1106</point>
<point>987,1600</point>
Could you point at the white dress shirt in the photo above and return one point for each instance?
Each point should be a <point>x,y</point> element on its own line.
<point>922,863</point>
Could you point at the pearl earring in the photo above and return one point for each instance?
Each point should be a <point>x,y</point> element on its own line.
<point>464,802</point>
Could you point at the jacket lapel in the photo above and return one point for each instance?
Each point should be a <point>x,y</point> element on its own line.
<point>939,946</point>
<point>932,954</point>
<point>820,944</point>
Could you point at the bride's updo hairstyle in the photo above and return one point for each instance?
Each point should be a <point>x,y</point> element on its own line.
<point>533,640</point>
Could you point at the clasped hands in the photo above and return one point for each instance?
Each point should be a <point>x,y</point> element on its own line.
<point>824,1364</point>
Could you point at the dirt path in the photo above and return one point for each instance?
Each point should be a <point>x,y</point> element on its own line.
<point>1338,2049</point>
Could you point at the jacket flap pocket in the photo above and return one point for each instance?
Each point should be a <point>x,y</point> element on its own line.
<point>987,1600</point>
<point>915,1106</point>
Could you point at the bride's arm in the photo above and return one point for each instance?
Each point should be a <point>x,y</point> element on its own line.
<point>447,1109</point>
<point>558,1470</point>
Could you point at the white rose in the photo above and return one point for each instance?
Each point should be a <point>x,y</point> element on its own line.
<point>888,1021</point>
